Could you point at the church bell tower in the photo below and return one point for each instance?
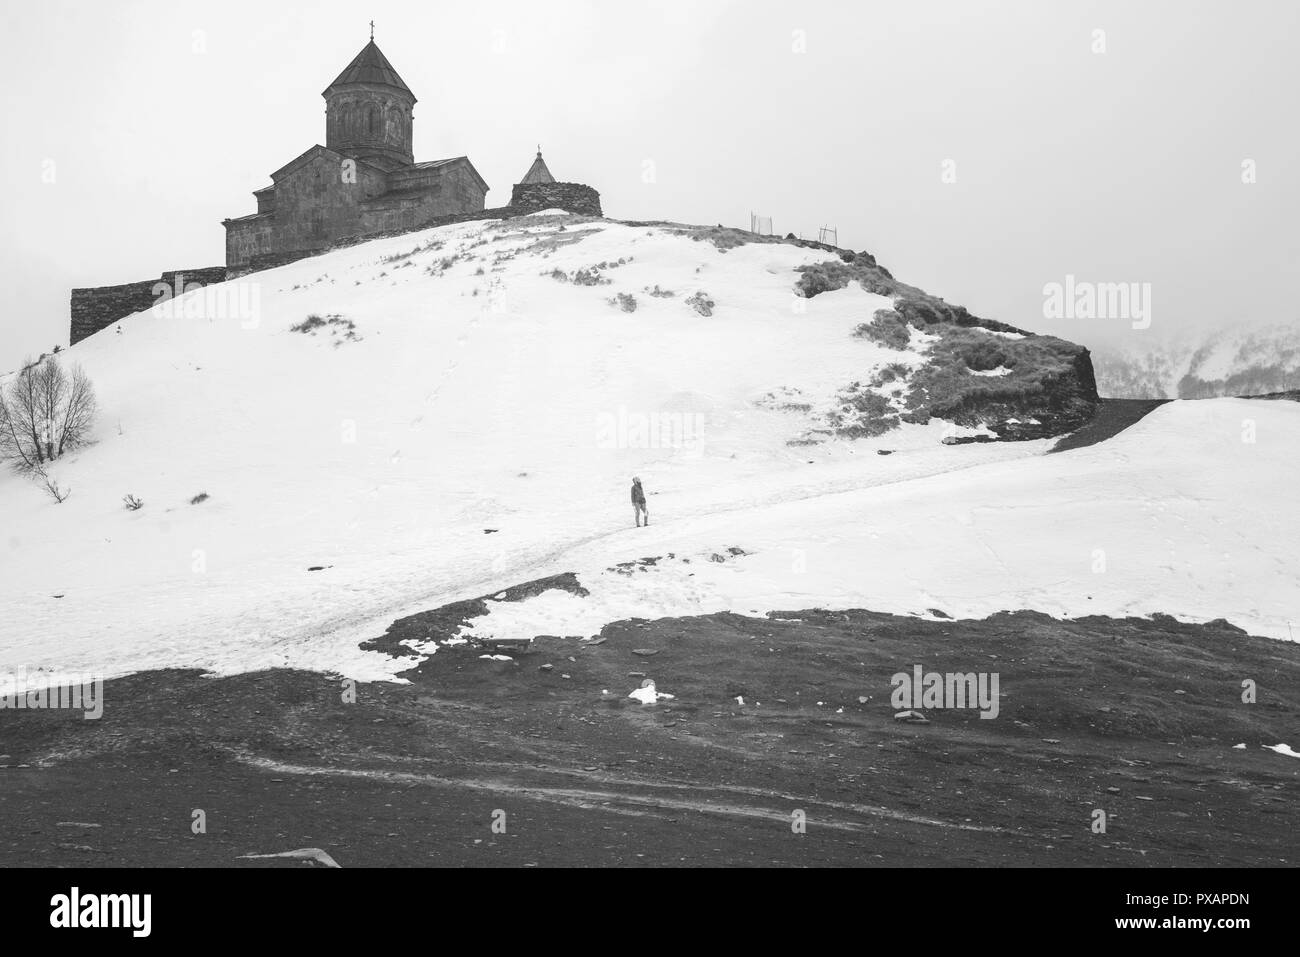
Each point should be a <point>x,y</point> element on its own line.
<point>369,111</point>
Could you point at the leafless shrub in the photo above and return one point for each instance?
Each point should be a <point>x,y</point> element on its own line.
<point>44,412</point>
<point>442,265</point>
<point>398,257</point>
<point>310,324</point>
<point>132,503</point>
<point>59,495</point>
<point>335,325</point>
<point>201,497</point>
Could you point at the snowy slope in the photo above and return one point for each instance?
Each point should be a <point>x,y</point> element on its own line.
<point>480,391</point>
<point>1175,515</point>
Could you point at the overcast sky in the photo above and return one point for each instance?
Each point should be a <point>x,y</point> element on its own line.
<point>156,120</point>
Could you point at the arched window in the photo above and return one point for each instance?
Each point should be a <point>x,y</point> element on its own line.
<point>372,120</point>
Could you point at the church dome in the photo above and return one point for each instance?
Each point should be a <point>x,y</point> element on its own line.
<point>369,110</point>
<point>371,68</point>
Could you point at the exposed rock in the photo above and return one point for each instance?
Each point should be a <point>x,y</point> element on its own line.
<point>1049,387</point>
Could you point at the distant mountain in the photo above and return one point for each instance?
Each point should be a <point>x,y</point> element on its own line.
<point>1244,360</point>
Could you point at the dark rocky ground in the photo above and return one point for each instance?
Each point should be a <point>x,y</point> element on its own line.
<point>1134,717</point>
<point>1112,417</point>
<point>1291,395</point>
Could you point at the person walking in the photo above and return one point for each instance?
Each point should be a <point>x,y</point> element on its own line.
<point>638,503</point>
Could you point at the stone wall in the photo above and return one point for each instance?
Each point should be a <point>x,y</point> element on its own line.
<point>573,198</point>
<point>96,308</point>
<point>570,197</point>
<point>182,279</point>
<point>261,261</point>
<point>449,192</point>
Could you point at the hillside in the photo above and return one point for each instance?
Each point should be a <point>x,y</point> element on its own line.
<point>417,420</point>
<point>1243,360</point>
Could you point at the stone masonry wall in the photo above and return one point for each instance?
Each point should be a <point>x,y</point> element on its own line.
<point>570,197</point>
<point>96,308</point>
<point>573,198</point>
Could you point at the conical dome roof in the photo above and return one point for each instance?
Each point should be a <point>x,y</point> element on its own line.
<point>538,173</point>
<point>371,66</point>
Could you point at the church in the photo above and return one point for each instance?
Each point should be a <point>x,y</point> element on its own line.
<point>364,181</point>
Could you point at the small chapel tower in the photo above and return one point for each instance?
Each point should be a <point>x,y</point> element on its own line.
<point>537,173</point>
<point>368,111</point>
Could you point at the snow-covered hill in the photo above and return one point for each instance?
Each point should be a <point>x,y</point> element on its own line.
<point>1241,360</point>
<point>467,411</point>
<point>1175,515</point>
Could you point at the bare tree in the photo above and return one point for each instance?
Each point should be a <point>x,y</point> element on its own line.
<point>44,412</point>
<point>7,441</point>
<point>22,436</point>
<point>14,443</point>
<point>51,387</point>
<point>72,425</point>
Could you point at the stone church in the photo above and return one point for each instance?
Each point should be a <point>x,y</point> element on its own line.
<point>363,181</point>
